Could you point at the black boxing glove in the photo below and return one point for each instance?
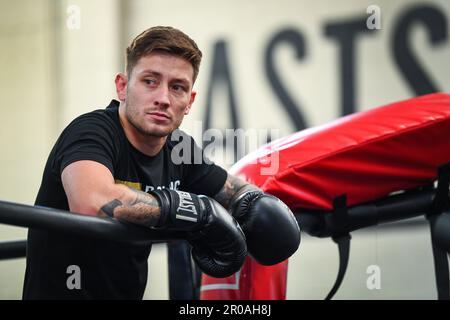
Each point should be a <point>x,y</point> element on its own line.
<point>270,228</point>
<point>218,243</point>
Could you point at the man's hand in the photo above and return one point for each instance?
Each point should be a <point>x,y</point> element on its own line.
<point>270,227</point>
<point>219,246</point>
<point>271,230</point>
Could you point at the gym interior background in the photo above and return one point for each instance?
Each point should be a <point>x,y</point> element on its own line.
<point>285,64</point>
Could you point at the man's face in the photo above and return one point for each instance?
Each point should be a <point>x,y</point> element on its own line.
<point>159,93</point>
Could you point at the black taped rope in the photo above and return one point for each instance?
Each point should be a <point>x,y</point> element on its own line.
<point>73,223</point>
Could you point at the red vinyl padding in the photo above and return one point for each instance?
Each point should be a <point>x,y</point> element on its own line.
<point>366,155</point>
<point>253,282</point>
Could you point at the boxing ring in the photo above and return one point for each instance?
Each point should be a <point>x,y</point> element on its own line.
<point>382,165</point>
<point>27,216</point>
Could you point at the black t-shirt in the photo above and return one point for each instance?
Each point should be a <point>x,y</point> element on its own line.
<point>107,269</point>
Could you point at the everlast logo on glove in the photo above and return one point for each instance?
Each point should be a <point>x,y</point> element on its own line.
<point>186,208</point>
<point>218,243</point>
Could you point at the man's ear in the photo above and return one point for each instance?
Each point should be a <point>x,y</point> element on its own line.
<point>121,86</point>
<point>191,101</point>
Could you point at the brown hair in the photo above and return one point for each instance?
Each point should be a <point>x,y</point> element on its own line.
<point>166,39</point>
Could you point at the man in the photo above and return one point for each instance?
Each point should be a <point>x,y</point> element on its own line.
<point>119,162</point>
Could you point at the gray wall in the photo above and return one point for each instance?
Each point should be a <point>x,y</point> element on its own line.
<point>54,69</point>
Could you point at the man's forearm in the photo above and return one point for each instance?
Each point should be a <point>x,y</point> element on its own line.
<point>133,206</point>
<point>233,187</point>
<point>143,209</point>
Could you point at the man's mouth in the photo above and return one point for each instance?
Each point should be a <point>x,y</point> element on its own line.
<point>160,116</point>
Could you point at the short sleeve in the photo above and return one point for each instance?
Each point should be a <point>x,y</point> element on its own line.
<point>89,137</point>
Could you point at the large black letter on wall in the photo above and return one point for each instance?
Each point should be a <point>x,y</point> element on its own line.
<point>436,24</point>
<point>345,33</point>
<point>295,39</point>
<point>221,76</point>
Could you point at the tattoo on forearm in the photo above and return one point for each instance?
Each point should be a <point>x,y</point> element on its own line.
<point>232,187</point>
<point>110,206</point>
<point>143,209</point>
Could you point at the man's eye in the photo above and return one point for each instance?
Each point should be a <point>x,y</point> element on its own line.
<point>178,87</point>
<point>149,81</point>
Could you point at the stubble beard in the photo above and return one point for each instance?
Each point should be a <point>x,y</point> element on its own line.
<point>133,119</point>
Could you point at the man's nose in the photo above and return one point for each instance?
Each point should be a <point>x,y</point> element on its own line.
<point>162,96</point>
